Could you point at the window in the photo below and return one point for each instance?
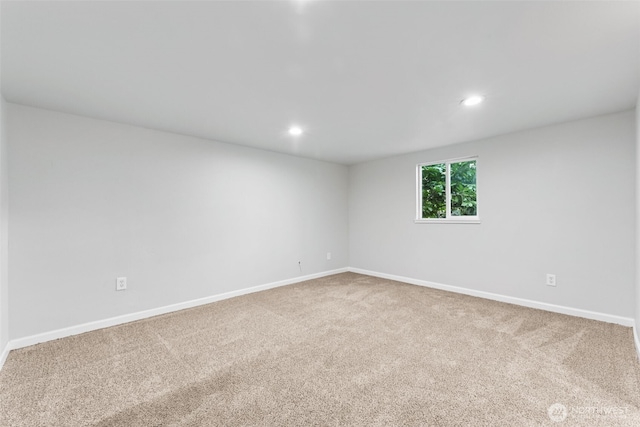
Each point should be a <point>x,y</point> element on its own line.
<point>447,191</point>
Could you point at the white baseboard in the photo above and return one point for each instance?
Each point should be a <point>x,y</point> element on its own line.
<point>4,355</point>
<point>593,315</point>
<point>113,321</point>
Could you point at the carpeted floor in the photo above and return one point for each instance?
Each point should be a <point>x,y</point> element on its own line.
<point>342,350</point>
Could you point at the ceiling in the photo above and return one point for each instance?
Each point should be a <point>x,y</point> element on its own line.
<point>365,80</point>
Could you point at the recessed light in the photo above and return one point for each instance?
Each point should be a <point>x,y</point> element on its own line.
<point>472,100</point>
<point>295,130</point>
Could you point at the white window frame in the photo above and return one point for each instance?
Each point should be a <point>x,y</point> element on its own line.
<point>468,219</point>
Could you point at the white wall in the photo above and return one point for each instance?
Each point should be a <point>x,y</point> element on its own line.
<point>4,202</point>
<point>182,218</point>
<point>185,218</point>
<point>4,290</point>
<point>558,199</point>
<point>637,308</point>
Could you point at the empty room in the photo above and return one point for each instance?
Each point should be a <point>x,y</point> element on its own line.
<point>319,212</point>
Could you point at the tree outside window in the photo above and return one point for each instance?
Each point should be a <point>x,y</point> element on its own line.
<point>448,191</point>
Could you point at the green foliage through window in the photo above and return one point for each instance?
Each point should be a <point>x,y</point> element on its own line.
<point>434,196</point>
<point>463,189</point>
<point>461,196</point>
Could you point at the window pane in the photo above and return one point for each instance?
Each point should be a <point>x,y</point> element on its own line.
<point>434,196</point>
<point>463,189</point>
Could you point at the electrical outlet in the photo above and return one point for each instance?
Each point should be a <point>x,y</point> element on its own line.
<point>328,256</point>
<point>551,279</point>
<point>121,283</point>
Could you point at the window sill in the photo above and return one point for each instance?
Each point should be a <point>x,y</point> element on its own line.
<point>448,221</point>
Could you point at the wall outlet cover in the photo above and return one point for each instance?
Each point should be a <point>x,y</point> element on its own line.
<point>121,283</point>
<point>551,279</point>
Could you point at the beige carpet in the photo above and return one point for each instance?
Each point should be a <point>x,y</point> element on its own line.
<point>342,350</point>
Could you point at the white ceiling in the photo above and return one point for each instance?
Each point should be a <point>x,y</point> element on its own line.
<point>364,79</point>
